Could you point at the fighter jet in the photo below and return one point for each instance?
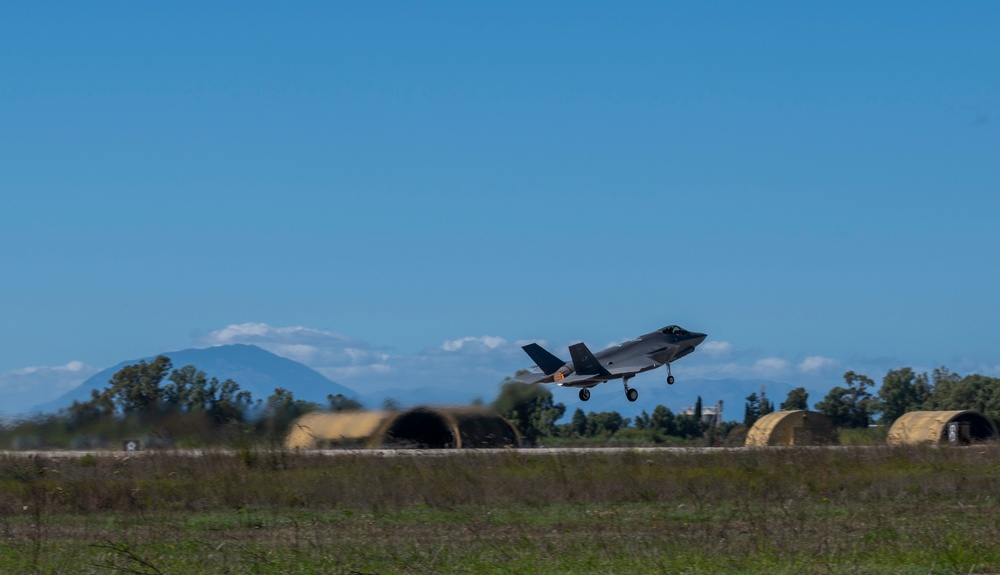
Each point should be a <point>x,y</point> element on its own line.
<point>586,369</point>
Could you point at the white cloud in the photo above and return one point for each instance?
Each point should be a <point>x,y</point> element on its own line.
<point>313,347</point>
<point>816,363</point>
<point>478,343</point>
<point>23,388</point>
<point>771,367</point>
<point>716,348</point>
<point>471,362</point>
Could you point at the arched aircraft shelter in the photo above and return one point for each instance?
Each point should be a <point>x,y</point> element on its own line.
<point>934,427</point>
<point>798,427</point>
<point>421,427</point>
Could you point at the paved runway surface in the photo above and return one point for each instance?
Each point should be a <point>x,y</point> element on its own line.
<point>401,452</point>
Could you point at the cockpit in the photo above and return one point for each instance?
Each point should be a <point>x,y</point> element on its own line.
<point>674,330</point>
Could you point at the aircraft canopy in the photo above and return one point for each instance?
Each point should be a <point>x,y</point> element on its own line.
<point>674,330</point>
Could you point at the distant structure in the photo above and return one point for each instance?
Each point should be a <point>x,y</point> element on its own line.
<point>421,427</point>
<point>710,414</point>
<point>936,427</point>
<point>797,427</point>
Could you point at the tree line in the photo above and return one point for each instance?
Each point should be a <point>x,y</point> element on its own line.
<point>167,406</point>
<point>854,404</point>
<point>185,407</point>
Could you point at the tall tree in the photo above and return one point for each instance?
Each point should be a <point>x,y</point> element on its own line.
<point>849,406</point>
<point>136,388</point>
<point>798,398</point>
<point>340,402</point>
<point>663,420</point>
<point>578,424</point>
<point>977,392</point>
<point>605,423</point>
<point>902,391</point>
<point>751,410</point>
<point>280,410</point>
<point>766,405</point>
<point>530,408</point>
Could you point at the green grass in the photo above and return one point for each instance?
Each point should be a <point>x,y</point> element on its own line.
<point>848,510</point>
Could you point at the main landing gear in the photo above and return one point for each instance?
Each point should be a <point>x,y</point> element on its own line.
<point>584,394</point>
<point>630,394</point>
<point>670,378</point>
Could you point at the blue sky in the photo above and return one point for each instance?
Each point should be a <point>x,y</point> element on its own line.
<point>798,181</point>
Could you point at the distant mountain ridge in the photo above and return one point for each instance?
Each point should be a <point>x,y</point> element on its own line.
<point>255,370</point>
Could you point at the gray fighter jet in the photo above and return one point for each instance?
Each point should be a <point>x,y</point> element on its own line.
<point>586,369</point>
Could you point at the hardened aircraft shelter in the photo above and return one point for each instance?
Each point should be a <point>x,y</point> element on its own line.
<point>798,427</point>
<point>962,427</point>
<point>421,427</point>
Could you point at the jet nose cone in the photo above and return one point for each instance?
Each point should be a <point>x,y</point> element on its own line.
<point>699,337</point>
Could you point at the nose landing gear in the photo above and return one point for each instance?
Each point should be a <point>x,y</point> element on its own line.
<point>670,378</point>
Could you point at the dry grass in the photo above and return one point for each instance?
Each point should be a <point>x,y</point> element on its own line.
<point>848,510</point>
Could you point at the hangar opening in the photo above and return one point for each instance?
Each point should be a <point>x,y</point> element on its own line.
<point>798,427</point>
<point>421,427</point>
<point>939,427</point>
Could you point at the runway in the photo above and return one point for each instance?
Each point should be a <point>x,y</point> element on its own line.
<point>381,452</point>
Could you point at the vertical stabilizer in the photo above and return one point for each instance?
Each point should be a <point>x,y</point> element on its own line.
<point>545,361</point>
<point>584,362</point>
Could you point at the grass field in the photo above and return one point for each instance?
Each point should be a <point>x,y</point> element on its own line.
<point>848,510</point>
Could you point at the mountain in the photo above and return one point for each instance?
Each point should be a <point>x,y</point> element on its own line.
<point>254,369</point>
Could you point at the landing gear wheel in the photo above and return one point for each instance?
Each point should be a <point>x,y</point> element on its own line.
<point>584,394</point>
<point>632,394</point>
<point>670,380</point>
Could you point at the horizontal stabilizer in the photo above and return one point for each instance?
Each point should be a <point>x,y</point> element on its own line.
<point>584,362</point>
<point>532,377</point>
<point>572,380</point>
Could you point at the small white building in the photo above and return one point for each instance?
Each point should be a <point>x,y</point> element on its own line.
<point>710,414</point>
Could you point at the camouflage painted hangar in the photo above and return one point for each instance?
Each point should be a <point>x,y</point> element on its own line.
<point>960,427</point>
<point>798,427</point>
<point>426,427</point>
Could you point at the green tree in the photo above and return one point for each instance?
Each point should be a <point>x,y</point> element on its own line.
<point>975,391</point>
<point>578,424</point>
<point>135,389</point>
<point>641,421</point>
<point>83,414</point>
<point>766,405</point>
<point>689,426</point>
<point>798,398</point>
<point>530,408</point>
<point>751,410</point>
<point>663,421</point>
<point>227,403</point>
<point>188,390</point>
<point>605,423</point>
<point>849,406</point>
<point>902,391</point>
<point>340,402</point>
<point>280,410</point>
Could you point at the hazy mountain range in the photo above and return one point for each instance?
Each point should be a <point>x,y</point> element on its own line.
<point>254,369</point>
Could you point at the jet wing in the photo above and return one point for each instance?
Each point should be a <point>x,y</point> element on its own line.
<point>633,365</point>
<point>664,355</point>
